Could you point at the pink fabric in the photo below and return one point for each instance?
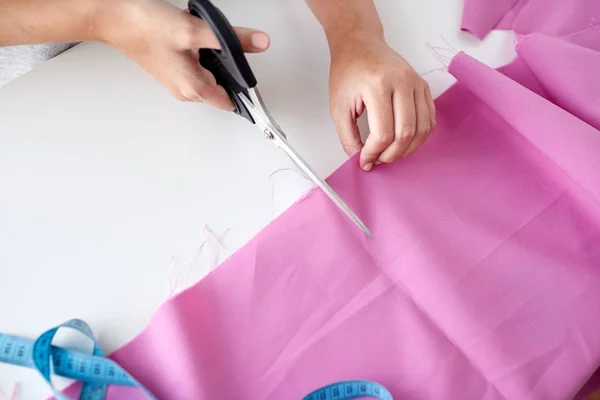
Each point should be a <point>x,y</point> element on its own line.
<point>482,282</point>
<point>552,17</point>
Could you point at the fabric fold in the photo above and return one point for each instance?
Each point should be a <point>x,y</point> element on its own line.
<point>481,282</point>
<point>545,125</point>
<point>481,17</point>
<point>551,17</point>
<point>572,85</point>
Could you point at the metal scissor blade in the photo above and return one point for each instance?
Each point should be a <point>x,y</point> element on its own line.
<point>308,171</point>
<point>273,132</point>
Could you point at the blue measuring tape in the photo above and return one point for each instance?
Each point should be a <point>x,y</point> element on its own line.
<point>350,390</point>
<point>96,372</point>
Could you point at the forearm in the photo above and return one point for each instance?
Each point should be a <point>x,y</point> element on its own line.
<point>51,21</point>
<point>343,19</point>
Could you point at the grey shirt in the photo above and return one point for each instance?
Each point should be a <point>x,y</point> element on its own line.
<point>17,60</point>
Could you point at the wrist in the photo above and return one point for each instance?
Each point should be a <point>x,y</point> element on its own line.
<point>112,20</point>
<point>353,30</point>
<point>348,22</point>
<point>90,18</point>
<point>343,38</point>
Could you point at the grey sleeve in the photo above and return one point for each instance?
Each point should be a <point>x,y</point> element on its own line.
<point>17,60</point>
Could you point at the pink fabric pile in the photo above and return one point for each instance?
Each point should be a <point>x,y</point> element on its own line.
<point>550,17</point>
<point>483,280</point>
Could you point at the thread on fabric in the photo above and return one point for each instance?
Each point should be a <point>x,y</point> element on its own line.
<point>594,22</point>
<point>277,171</point>
<point>445,59</point>
<point>16,391</point>
<point>285,170</point>
<point>187,269</point>
<point>209,241</point>
<point>442,54</point>
<point>219,242</point>
<point>454,49</point>
<point>442,69</point>
<point>441,58</point>
<point>443,49</point>
<point>190,265</point>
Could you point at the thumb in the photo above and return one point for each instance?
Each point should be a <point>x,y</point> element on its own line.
<point>252,40</point>
<point>202,36</point>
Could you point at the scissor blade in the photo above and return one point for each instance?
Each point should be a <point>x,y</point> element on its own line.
<point>308,171</point>
<point>273,132</point>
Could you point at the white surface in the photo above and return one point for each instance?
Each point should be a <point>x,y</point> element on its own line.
<point>104,177</point>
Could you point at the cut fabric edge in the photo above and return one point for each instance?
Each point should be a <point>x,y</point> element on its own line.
<point>349,163</point>
<point>479,21</point>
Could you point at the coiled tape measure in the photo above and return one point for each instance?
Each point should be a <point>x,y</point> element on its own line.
<point>96,372</point>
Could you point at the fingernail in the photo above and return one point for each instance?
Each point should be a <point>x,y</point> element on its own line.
<point>368,167</point>
<point>260,40</point>
<point>378,162</point>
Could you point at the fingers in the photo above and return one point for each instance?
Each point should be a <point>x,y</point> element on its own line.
<point>252,40</point>
<point>404,118</point>
<point>430,106</point>
<point>413,119</point>
<point>381,123</point>
<point>423,119</point>
<point>214,94</point>
<point>200,84</point>
<point>198,34</point>
<point>202,87</point>
<point>347,129</point>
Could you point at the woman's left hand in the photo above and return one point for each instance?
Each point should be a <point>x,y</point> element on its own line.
<point>368,74</point>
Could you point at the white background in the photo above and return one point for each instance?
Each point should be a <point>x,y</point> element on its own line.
<point>104,177</point>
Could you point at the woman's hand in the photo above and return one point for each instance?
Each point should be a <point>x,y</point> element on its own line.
<point>164,40</point>
<point>367,74</point>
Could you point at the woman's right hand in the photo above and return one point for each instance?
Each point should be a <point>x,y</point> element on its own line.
<point>165,41</point>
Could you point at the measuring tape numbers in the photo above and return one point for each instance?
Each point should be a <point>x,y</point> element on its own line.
<point>96,372</point>
<point>347,390</point>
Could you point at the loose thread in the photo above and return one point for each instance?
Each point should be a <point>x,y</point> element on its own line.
<point>444,49</point>
<point>286,170</point>
<point>439,48</point>
<point>213,256</point>
<point>191,264</point>
<point>187,268</point>
<point>449,45</point>
<point>16,391</point>
<point>212,253</point>
<point>443,69</point>
<point>273,185</point>
<point>438,56</point>
<point>443,58</point>
<point>218,241</point>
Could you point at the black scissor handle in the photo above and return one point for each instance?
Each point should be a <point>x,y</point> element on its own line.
<point>228,65</point>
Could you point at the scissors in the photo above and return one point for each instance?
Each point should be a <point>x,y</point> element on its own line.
<point>232,71</point>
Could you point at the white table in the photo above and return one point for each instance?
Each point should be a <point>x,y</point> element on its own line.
<point>104,177</point>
